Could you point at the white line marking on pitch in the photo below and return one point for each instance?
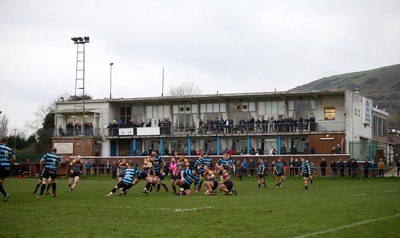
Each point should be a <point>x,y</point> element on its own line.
<point>346,226</point>
<point>359,194</point>
<point>186,209</point>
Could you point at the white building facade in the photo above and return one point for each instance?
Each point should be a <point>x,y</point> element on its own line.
<point>247,123</point>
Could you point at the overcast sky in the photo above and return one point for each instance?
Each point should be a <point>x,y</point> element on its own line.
<point>226,46</point>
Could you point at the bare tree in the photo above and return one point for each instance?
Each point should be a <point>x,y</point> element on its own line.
<point>185,89</point>
<point>3,125</point>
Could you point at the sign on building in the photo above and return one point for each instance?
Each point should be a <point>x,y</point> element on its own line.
<point>64,148</point>
<point>125,131</point>
<point>367,116</point>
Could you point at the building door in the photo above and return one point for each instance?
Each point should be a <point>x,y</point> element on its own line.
<point>113,148</point>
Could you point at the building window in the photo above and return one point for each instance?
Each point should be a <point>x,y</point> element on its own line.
<point>329,113</point>
<point>298,108</point>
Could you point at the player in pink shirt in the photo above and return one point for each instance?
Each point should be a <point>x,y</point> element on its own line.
<point>174,172</point>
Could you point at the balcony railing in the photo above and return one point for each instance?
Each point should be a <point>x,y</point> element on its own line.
<point>184,129</point>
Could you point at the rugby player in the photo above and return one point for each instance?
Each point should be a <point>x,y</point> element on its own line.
<point>50,163</point>
<point>261,173</point>
<point>75,169</point>
<point>188,177</point>
<point>305,171</point>
<point>226,183</point>
<point>278,170</point>
<point>313,169</point>
<point>126,182</point>
<point>181,165</point>
<point>227,162</point>
<point>211,182</point>
<point>147,173</point>
<point>159,167</point>
<point>121,169</point>
<point>6,157</point>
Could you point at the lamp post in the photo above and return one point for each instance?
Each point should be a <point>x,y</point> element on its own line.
<point>111,64</point>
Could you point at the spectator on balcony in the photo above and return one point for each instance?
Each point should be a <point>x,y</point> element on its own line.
<point>264,124</point>
<point>61,131</point>
<point>78,128</point>
<point>271,124</point>
<point>283,149</point>
<point>312,150</point>
<point>70,129</point>
<point>300,124</point>
<point>258,126</point>
<point>338,149</point>
<point>306,121</point>
<point>333,151</point>
<point>312,124</point>
<point>293,151</point>
<point>242,125</point>
<point>294,125</point>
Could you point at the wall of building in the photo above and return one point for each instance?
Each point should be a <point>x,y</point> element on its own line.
<point>323,143</point>
<point>78,145</point>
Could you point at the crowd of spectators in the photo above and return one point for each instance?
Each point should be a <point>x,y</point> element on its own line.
<point>76,129</point>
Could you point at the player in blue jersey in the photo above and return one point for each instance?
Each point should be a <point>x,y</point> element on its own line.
<point>49,164</point>
<point>159,171</point>
<point>126,182</point>
<point>6,157</point>
<point>279,172</point>
<point>313,169</point>
<point>305,171</point>
<point>199,164</point>
<point>260,173</point>
<point>226,162</point>
<point>188,177</point>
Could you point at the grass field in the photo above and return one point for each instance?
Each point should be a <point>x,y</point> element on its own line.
<point>339,207</point>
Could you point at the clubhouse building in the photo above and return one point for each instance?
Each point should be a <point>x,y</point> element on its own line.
<point>289,122</point>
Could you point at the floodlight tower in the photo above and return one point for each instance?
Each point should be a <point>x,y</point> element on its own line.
<point>80,85</point>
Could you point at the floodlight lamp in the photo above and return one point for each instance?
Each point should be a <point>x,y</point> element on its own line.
<point>111,64</point>
<point>86,39</point>
<point>74,39</point>
<point>80,39</point>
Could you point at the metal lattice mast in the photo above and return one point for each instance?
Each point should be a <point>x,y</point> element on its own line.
<point>79,106</point>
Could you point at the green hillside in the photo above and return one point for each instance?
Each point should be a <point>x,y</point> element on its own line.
<point>382,85</point>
